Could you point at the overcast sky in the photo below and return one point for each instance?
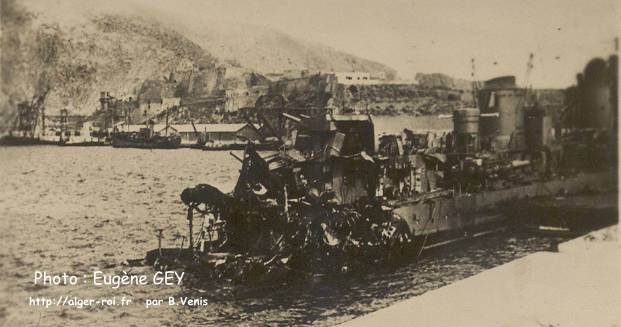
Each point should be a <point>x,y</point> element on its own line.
<point>431,35</point>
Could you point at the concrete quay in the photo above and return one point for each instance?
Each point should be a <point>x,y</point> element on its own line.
<point>578,286</point>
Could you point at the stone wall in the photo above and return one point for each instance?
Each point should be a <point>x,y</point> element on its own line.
<point>393,99</point>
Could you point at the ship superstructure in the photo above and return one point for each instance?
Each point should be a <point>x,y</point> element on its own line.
<point>330,200</point>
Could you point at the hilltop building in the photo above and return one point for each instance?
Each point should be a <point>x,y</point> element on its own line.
<point>350,78</point>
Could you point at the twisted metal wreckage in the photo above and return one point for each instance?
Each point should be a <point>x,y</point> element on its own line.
<point>285,217</point>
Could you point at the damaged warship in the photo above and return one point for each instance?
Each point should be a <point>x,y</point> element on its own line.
<point>329,201</point>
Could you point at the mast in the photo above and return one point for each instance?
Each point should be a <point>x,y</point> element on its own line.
<point>63,123</point>
<point>527,86</point>
<point>474,85</point>
<point>130,109</point>
<point>103,99</point>
<point>33,115</point>
<point>167,113</point>
<point>43,120</point>
<point>529,68</point>
<point>111,111</point>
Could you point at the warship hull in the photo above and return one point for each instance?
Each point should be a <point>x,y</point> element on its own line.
<point>435,220</point>
<point>9,140</point>
<point>125,141</point>
<point>444,218</point>
<point>146,145</point>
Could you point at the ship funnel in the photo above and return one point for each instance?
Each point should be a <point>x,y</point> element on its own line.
<point>466,130</point>
<point>501,103</point>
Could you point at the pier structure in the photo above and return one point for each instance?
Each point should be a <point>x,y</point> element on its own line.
<point>579,285</point>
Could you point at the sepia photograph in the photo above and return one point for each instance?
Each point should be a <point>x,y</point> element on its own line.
<point>309,163</point>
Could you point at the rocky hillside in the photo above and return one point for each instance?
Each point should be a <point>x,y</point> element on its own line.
<point>72,64</point>
<point>69,61</point>
<point>267,51</point>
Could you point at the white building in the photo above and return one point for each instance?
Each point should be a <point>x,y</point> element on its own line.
<point>170,102</point>
<point>355,78</point>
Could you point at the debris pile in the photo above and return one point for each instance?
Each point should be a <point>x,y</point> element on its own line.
<point>266,231</point>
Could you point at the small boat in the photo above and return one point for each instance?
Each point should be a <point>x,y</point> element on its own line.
<point>144,139</point>
<point>147,138</point>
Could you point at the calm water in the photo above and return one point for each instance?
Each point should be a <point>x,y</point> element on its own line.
<point>77,210</point>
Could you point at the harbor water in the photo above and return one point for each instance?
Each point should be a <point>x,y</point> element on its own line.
<point>81,209</point>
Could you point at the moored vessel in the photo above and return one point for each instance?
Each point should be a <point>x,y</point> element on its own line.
<point>147,138</point>
<point>329,201</point>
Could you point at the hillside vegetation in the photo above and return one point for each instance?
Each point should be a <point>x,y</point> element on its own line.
<point>55,62</point>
